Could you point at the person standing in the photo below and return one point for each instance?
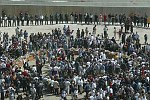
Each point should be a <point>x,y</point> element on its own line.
<point>132,28</point>
<point>64,95</point>
<point>36,20</point>
<point>51,19</point>
<point>109,18</point>
<point>116,19</point>
<point>100,19</point>
<point>41,20</point>
<point>87,89</point>
<point>80,86</point>
<point>123,38</point>
<point>0,36</point>
<point>96,19</point>
<point>22,21</point>
<point>105,31</point>
<point>112,19</point>
<point>56,18</point>
<point>2,86</point>
<point>25,35</point>
<point>88,18</point>
<point>67,86</point>
<point>9,21</point>
<point>17,31</point>
<point>91,18</point>
<point>72,17</point>
<point>27,19</point>
<point>1,21</point>
<point>33,92</point>
<point>5,21</point>
<point>125,26</point>
<point>61,18</point>
<point>75,18</point>
<point>120,19</point>
<point>105,19</point>
<point>115,32</point>
<point>66,18</point>
<point>138,20</point>
<point>82,33</point>
<point>75,93</point>
<point>86,31</point>
<point>85,18</point>
<point>56,87</point>
<point>94,30</point>
<point>14,20</point>
<point>11,93</point>
<point>135,19</point>
<point>80,18</point>
<point>145,21</point>
<point>145,38</point>
<point>46,20</point>
<point>31,20</point>
<point>78,33</point>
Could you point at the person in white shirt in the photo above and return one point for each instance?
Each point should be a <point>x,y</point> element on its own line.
<point>80,85</point>
<point>103,56</point>
<point>17,31</point>
<point>72,18</point>
<point>52,85</point>
<point>91,97</point>
<point>56,87</point>
<point>93,85</point>
<point>115,32</point>
<point>136,96</point>
<point>5,21</point>
<point>56,69</point>
<point>41,19</point>
<point>67,85</point>
<point>63,95</point>
<point>144,97</point>
<point>91,18</point>
<point>76,93</point>
<point>100,19</point>
<point>33,93</point>
<point>34,69</point>
<point>99,96</point>
<point>105,31</point>
<point>11,93</point>
<point>0,36</point>
<point>111,92</point>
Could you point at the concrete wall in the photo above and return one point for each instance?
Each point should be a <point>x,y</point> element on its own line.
<point>11,10</point>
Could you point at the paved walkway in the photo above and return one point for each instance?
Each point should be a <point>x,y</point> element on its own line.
<point>49,28</point>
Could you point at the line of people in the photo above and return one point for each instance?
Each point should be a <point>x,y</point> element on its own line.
<point>26,19</point>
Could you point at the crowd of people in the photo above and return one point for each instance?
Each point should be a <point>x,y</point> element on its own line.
<point>90,63</point>
<point>26,19</point>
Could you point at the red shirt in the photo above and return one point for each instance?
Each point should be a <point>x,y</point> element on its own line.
<point>8,65</point>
